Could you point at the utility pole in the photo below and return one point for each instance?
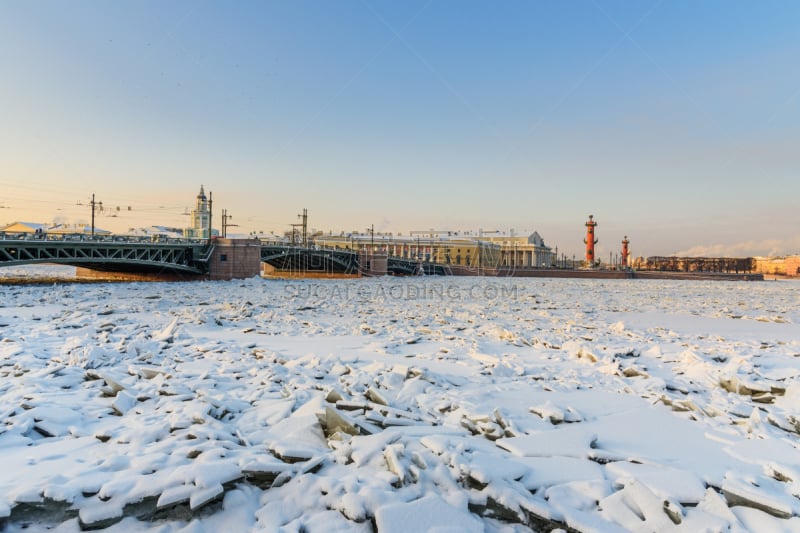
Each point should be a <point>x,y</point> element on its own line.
<point>100,208</point>
<point>210,212</point>
<point>225,223</point>
<point>304,225</point>
<point>294,232</point>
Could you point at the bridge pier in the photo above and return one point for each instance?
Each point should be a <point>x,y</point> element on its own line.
<point>231,259</point>
<point>372,263</point>
<point>235,259</point>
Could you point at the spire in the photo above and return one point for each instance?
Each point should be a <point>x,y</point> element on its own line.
<point>202,194</point>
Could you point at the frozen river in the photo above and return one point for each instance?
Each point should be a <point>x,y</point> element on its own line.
<point>414,404</point>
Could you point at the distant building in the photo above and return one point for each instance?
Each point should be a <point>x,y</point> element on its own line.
<point>450,248</point>
<point>158,232</point>
<point>75,229</point>
<point>699,264</point>
<point>201,218</point>
<point>25,227</point>
<point>444,249</point>
<point>793,265</point>
<point>788,266</point>
<point>58,229</point>
<point>271,238</point>
<point>521,251</point>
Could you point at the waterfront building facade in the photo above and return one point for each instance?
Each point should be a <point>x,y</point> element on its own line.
<point>433,248</point>
<point>450,248</point>
<point>788,266</point>
<point>521,251</point>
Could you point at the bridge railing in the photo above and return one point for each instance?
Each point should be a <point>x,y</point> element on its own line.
<point>81,237</point>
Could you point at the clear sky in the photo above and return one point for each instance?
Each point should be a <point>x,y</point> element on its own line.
<point>676,123</point>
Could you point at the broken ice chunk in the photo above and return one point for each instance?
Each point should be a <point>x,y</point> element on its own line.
<point>431,513</point>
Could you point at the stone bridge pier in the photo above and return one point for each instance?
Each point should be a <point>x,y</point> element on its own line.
<point>231,259</point>
<point>235,259</point>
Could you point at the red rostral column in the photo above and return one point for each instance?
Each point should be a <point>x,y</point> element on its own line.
<point>590,241</point>
<point>625,243</point>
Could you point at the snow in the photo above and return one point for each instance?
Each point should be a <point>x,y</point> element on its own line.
<point>401,404</point>
<point>430,513</point>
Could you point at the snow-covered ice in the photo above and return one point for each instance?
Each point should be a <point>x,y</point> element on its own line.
<point>415,404</point>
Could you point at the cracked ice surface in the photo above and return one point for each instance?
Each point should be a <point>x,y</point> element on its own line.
<point>438,404</point>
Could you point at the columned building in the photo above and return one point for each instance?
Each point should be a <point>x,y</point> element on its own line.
<point>452,248</point>
<point>521,251</point>
<point>429,248</point>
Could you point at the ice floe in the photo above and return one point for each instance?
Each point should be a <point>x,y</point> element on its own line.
<point>416,404</point>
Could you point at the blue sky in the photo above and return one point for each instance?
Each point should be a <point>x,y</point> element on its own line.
<point>676,123</point>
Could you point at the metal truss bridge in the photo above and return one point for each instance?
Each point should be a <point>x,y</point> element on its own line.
<point>297,258</point>
<point>183,256</point>
<point>338,260</point>
<point>110,254</point>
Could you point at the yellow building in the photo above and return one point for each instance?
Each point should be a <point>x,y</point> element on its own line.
<point>788,266</point>
<point>450,248</point>
<point>24,227</point>
<point>428,247</point>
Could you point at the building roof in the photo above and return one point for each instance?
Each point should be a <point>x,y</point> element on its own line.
<point>176,233</point>
<point>25,227</point>
<point>84,229</point>
<point>535,239</point>
<point>413,240</point>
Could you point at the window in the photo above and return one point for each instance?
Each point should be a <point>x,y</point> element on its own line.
<point>223,258</point>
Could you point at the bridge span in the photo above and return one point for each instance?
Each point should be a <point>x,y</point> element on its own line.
<point>193,258</point>
<point>302,259</point>
<point>343,261</point>
<point>117,254</point>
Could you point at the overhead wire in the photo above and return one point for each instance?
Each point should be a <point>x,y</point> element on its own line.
<point>14,195</point>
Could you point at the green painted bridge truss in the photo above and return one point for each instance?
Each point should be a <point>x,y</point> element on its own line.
<point>310,259</point>
<point>180,256</point>
<point>116,256</point>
